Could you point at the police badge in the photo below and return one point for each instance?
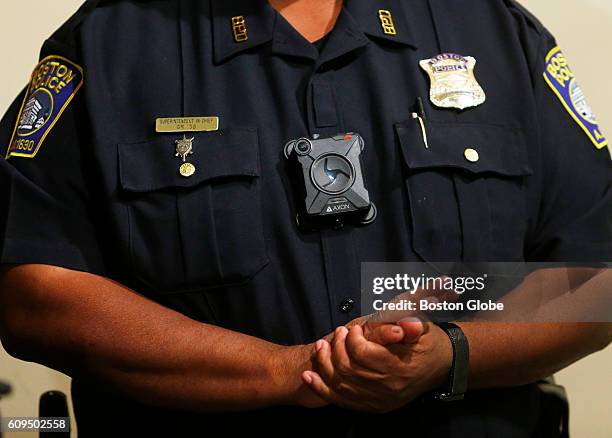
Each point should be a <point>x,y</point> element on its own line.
<point>453,84</point>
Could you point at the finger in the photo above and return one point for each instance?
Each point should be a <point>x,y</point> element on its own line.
<point>375,358</point>
<point>383,334</point>
<point>318,386</point>
<point>329,337</point>
<point>345,370</point>
<point>413,329</point>
<point>323,363</point>
<point>340,359</point>
<point>356,344</point>
<point>361,320</point>
<point>353,380</point>
<point>390,316</point>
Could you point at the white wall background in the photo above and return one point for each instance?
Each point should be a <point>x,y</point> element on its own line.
<point>583,30</point>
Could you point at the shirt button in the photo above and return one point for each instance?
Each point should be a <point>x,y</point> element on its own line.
<point>347,305</point>
<point>471,155</point>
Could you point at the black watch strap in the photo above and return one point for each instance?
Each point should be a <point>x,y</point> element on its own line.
<point>456,385</point>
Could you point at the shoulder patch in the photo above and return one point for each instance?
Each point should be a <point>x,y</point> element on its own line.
<point>53,84</point>
<point>563,82</point>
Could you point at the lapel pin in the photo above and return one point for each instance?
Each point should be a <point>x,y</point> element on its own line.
<point>386,22</point>
<point>184,147</point>
<point>239,28</point>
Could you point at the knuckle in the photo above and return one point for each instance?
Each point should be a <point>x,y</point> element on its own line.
<point>394,386</point>
<point>343,388</point>
<point>361,350</point>
<point>343,367</point>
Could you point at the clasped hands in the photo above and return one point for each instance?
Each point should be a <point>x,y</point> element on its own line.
<point>376,366</point>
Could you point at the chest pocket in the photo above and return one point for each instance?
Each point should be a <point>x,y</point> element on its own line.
<point>201,231</point>
<point>466,191</point>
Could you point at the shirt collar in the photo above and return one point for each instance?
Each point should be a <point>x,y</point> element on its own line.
<point>264,24</point>
<point>344,38</point>
<point>367,13</point>
<point>259,19</point>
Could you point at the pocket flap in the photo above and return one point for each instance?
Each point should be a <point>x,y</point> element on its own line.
<point>476,148</point>
<point>152,165</point>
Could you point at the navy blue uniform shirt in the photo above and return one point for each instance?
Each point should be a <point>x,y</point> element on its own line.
<point>99,190</point>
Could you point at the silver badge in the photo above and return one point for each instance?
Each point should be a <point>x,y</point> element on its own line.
<point>453,84</point>
<point>184,147</point>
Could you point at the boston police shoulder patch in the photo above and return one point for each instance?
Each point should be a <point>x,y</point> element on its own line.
<point>53,84</point>
<point>563,82</point>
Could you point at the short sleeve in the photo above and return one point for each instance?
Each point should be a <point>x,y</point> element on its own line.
<point>45,198</point>
<point>574,220</point>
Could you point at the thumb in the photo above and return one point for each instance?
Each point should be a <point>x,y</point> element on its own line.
<point>413,329</point>
<point>383,334</point>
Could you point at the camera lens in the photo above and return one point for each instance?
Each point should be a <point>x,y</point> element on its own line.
<point>303,146</point>
<point>332,174</point>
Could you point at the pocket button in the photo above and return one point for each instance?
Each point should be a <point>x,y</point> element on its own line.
<point>471,155</point>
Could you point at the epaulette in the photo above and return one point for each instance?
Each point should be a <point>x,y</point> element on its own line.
<point>65,33</point>
<point>537,24</point>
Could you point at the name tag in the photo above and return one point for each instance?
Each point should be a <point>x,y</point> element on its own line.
<point>187,124</point>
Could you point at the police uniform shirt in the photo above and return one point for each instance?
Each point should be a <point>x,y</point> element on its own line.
<point>97,189</point>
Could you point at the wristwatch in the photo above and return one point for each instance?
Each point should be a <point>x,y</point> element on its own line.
<point>456,384</point>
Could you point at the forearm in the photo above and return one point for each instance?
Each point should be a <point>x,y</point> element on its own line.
<point>87,325</point>
<point>512,354</point>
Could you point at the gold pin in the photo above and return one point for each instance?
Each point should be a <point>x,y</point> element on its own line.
<point>386,21</point>
<point>239,28</point>
<point>187,169</point>
<point>471,155</point>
